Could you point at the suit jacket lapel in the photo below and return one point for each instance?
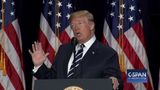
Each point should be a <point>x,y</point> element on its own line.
<point>90,54</point>
<point>67,58</point>
<point>91,51</point>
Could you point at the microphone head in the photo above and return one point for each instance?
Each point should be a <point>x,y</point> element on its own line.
<point>74,41</point>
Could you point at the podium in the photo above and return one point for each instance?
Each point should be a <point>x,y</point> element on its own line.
<point>73,84</point>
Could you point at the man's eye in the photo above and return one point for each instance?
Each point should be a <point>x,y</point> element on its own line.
<point>72,26</point>
<point>80,23</point>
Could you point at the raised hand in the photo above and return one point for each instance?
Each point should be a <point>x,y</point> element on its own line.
<point>37,54</point>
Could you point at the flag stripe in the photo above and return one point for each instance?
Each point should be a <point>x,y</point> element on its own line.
<point>13,63</point>
<point>51,37</point>
<point>139,32</point>
<point>6,80</point>
<point>131,54</point>
<point>114,44</point>
<point>49,40</point>
<point>50,43</point>
<point>11,46</point>
<point>64,37</point>
<point>1,87</point>
<point>69,31</point>
<point>141,53</point>
<point>133,40</point>
<point>46,46</point>
<point>18,33</point>
<point>6,83</point>
<point>14,39</point>
<point>13,76</point>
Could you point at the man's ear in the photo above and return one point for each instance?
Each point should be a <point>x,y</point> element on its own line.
<point>92,25</point>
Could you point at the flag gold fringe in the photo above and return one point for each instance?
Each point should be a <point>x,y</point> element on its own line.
<point>4,67</point>
<point>2,53</point>
<point>121,62</point>
<point>1,60</point>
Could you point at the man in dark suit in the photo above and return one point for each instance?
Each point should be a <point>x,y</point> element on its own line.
<point>94,61</point>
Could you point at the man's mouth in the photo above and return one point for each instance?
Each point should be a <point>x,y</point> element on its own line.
<point>78,34</point>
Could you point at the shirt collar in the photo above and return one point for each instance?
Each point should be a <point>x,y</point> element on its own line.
<point>88,43</point>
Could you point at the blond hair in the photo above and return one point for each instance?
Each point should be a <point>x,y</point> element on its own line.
<point>82,13</point>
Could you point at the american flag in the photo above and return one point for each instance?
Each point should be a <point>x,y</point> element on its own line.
<point>123,31</point>
<point>54,26</point>
<point>10,49</point>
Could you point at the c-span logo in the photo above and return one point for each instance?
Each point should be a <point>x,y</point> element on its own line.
<point>73,88</point>
<point>137,76</point>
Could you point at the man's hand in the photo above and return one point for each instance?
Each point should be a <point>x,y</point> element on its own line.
<point>115,83</point>
<point>37,54</point>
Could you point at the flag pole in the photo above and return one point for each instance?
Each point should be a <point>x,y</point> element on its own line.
<point>121,37</point>
<point>57,28</point>
<point>2,53</point>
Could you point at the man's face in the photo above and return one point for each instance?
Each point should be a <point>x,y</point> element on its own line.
<point>82,28</point>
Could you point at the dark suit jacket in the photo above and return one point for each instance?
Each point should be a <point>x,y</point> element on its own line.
<point>98,62</point>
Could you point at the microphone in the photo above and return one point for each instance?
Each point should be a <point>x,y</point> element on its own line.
<point>74,42</point>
